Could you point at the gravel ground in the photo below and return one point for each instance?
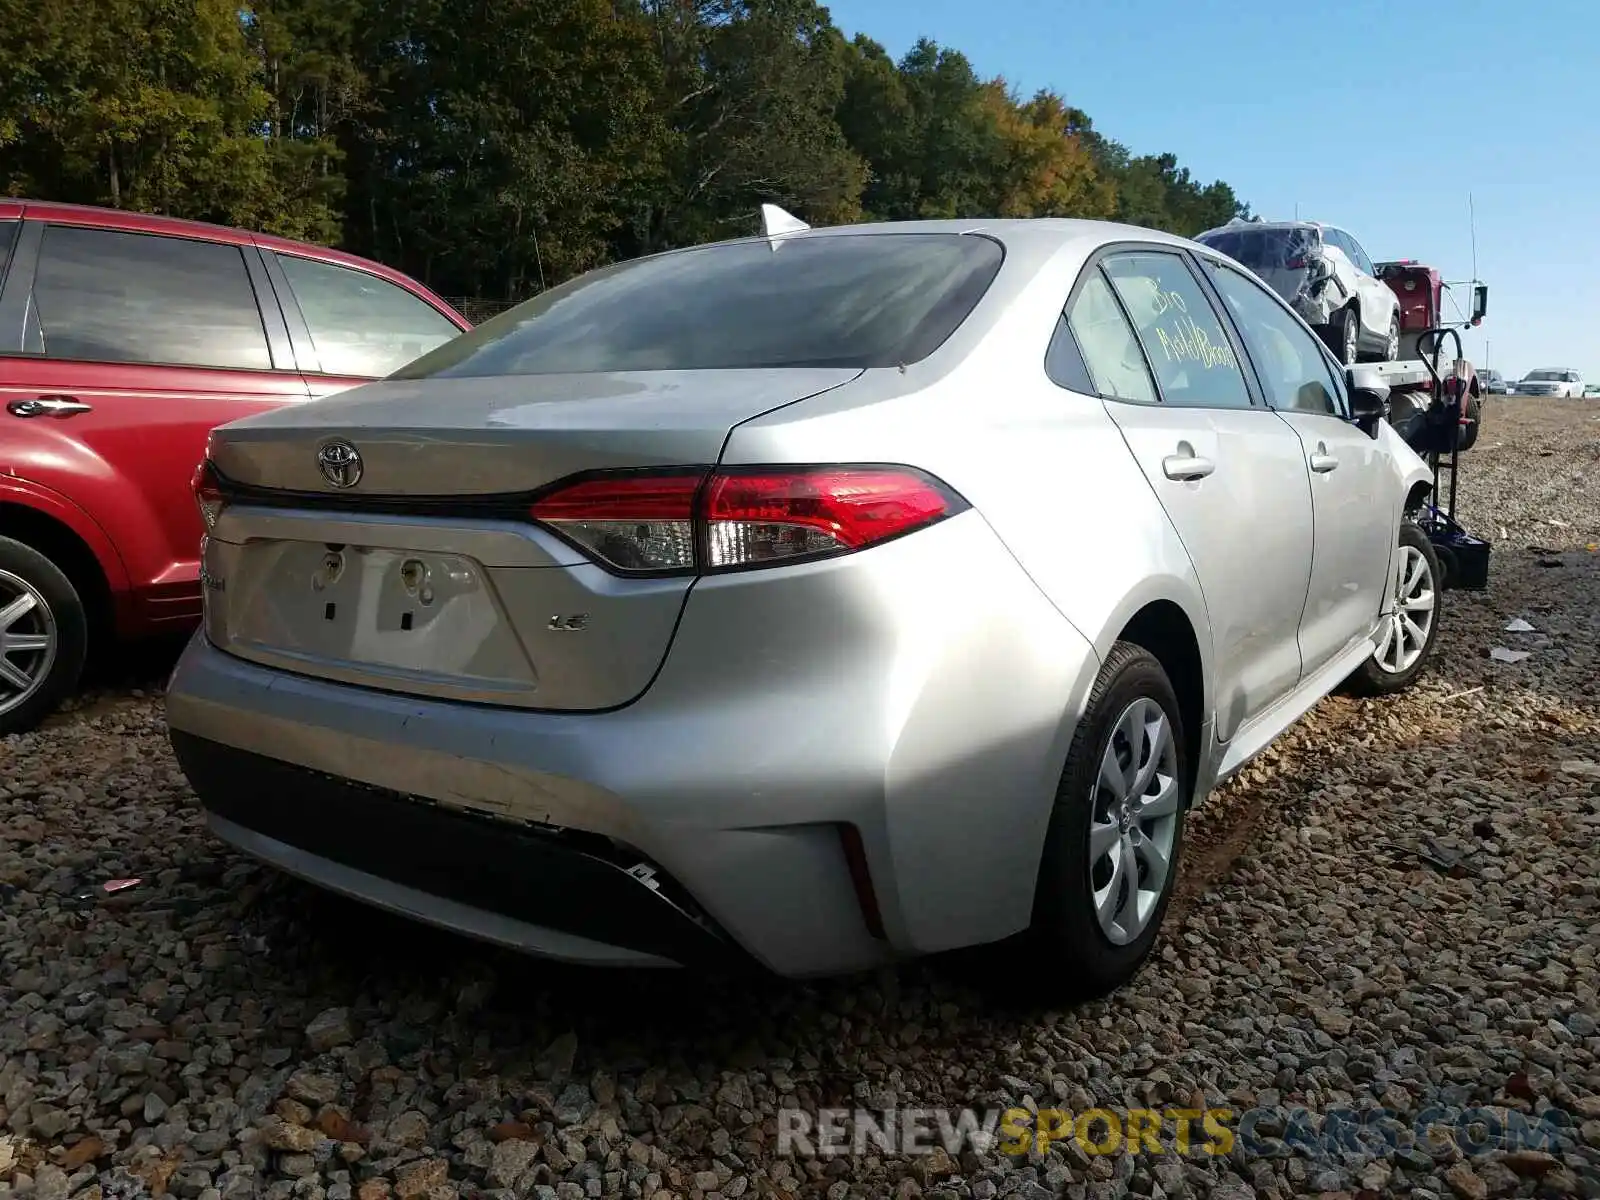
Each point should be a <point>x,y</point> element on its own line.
<point>219,1031</point>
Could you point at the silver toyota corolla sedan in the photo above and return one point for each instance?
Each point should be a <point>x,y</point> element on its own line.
<point>823,598</point>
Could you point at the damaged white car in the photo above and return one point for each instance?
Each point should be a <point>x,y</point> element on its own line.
<point>1325,276</point>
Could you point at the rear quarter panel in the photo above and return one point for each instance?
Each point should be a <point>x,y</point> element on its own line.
<point>1046,467</point>
<point>1049,473</point>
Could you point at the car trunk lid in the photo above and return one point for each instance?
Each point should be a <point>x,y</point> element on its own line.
<point>422,572</point>
<point>503,435</point>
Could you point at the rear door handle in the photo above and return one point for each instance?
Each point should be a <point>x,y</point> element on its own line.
<point>49,406</point>
<point>1187,466</point>
<point>1322,462</point>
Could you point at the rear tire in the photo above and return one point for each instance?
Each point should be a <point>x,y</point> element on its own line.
<point>1103,890</point>
<point>1469,435</point>
<point>1407,637</point>
<point>1391,346</point>
<point>44,637</point>
<point>1344,336</point>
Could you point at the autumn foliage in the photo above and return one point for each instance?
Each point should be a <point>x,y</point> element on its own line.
<point>493,147</point>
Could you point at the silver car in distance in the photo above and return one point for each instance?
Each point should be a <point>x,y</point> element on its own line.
<point>824,598</point>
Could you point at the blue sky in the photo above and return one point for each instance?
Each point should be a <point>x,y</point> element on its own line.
<point>1377,115</point>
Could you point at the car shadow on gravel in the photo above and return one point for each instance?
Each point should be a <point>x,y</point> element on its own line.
<point>117,671</point>
<point>418,990</point>
<point>357,950</point>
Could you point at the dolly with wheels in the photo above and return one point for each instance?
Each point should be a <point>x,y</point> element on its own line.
<point>1439,415</point>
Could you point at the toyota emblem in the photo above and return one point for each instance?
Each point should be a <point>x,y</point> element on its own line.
<point>340,464</point>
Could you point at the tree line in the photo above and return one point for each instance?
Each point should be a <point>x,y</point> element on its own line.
<point>494,147</point>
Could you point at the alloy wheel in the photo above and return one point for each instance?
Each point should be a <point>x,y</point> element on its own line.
<point>1134,821</point>
<point>1352,337</point>
<point>1405,632</point>
<point>28,641</point>
<point>1391,348</point>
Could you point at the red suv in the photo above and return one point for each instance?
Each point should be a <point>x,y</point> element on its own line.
<point>124,339</point>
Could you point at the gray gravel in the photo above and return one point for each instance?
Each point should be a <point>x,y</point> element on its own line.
<point>220,1031</point>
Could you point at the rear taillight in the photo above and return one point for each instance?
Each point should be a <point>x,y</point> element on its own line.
<point>765,516</point>
<point>208,494</point>
<point>1296,264</point>
<point>639,523</point>
<point>741,517</point>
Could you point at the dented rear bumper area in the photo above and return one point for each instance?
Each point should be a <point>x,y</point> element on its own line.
<point>512,884</point>
<point>508,827</point>
<point>839,764</point>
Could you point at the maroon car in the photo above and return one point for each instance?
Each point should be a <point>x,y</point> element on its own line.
<point>124,339</point>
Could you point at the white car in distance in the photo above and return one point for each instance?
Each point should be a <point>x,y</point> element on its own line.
<point>1551,381</point>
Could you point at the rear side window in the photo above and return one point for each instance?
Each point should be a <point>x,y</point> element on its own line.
<point>108,296</point>
<point>1264,249</point>
<point>1359,256</point>
<point>1182,336</point>
<point>362,325</point>
<point>863,300</point>
<point>8,238</point>
<point>1110,350</point>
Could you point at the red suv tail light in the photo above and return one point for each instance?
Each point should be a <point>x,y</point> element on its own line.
<point>208,494</point>
<point>741,517</point>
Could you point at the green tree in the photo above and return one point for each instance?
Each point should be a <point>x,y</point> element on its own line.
<point>305,52</point>
<point>495,147</point>
<point>941,142</point>
<point>154,105</point>
<point>506,141</point>
<point>751,87</point>
<point>932,146</point>
<point>1044,168</point>
<point>1154,191</point>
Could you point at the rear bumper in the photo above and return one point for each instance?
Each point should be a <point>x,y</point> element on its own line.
<point>928,707</point>
<point>500,882</point>
<point>158,610</point>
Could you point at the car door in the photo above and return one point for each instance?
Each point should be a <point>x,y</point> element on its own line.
<point>1354,524</point>
<point>351,326</point>
<point>1378,301</point>
<point>1230,476</point>
<point>134,346</point>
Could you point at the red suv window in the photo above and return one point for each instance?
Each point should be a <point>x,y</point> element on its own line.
<point>362,325</point>
<point>8,236</point>
<point>108,296</point>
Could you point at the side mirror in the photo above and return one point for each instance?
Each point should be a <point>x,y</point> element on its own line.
<point>1480,301</point>
<point>1367,408</point>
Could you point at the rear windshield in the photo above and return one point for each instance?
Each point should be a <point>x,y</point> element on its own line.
<point>1262,249</point>
<point>865,300</point>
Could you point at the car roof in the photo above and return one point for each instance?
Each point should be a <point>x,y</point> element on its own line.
<point>1245,226</point>
<point>138,222</point>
